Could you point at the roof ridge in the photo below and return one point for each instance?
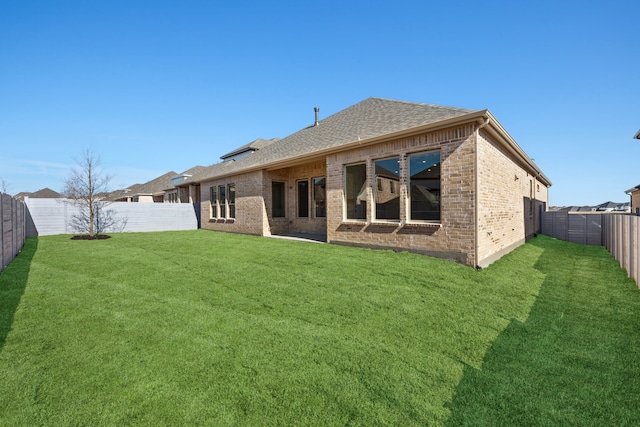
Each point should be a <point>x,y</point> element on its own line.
<point>420,103</point>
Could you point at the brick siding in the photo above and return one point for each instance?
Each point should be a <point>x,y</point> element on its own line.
<point>251,216</point>
<point>635,202</point>
<point>508,199</point>
<point>509,202</point>
<point>452,238</point>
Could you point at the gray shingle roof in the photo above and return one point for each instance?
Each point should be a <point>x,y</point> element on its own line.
<point>192,170</point>
<point>252,146</point>
<point>156,185</point>
<point>370,118</point>
<point>43,193</point>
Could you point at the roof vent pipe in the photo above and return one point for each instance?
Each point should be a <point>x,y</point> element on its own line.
<point>317,110</point>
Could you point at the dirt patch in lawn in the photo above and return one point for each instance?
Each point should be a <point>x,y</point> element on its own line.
<point>87,237</point>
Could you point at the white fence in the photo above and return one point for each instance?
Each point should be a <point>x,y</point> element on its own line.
<point>53,216</point>
<point>623,242</point>
<point>12,228</point>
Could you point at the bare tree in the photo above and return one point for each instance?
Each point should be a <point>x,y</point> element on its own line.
<point>86,186</point>
<point>4,187</point>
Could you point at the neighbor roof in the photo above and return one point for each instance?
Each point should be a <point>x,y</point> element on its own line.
<point>361,123</point>
<point>155,186</point>
<point>44,193</point>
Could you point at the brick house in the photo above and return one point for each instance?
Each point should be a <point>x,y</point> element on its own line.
<point>149,192</point>
<point>441,181</point>
<point>634,193</point>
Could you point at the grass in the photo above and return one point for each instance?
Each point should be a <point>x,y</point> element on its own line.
<point>203,328</point>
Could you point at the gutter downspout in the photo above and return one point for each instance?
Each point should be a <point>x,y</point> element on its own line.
<point>476,190</point>
<point>535,205</point>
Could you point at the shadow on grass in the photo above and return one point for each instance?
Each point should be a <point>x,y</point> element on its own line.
<point>573,361</point>
<point>13,281</point>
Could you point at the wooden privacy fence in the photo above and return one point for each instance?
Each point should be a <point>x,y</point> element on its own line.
<point>586,229</point>
<point>12,228</point>
<point>623,242</point>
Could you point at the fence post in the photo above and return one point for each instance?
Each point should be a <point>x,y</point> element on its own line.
<point>637,244</point>
<point>14,237</point>
<point>2,231</point>
<point>633,250</point>
<point>12,234</point>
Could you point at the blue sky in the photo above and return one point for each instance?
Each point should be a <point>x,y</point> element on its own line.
<point>155,86</point>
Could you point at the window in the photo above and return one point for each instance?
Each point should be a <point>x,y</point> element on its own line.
<point>319,197</point>
<point>222,201</point>
<point>214,202</point>
<point>303,199</point>
<point>232,200</point>
<point>424,186</point>
<point>387,201</point>
<point>355,191</point>
<point>277,199</point>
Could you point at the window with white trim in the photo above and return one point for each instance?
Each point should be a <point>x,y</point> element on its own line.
<point>222,201</point>
<point>213,196</point>
<point>231,194</point>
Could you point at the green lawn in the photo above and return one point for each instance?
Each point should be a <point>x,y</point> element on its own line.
<point>204,328</point>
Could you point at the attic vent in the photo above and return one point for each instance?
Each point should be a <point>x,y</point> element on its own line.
<point>317,111</point>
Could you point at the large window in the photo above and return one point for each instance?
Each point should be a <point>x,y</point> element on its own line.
<point>355,191</point>
<point>303,199</point>
<point>386,197</point>
<point>232,200</point>
<point>214,202</point>
<point>222,200</point>
<point>320,197</point>
<point>278,199</point>
<point>424,186</point>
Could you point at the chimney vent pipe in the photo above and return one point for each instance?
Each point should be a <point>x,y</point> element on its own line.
<point>317,111</point>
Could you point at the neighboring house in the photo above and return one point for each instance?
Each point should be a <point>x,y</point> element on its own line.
<point>634,193</point>
<point>571,209</point>
<point>149,192</point>
<point>44,193</point>
<point>603,207</point>
<point>441,181</point>
<point>614,207</point>
<point>609,207</point>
